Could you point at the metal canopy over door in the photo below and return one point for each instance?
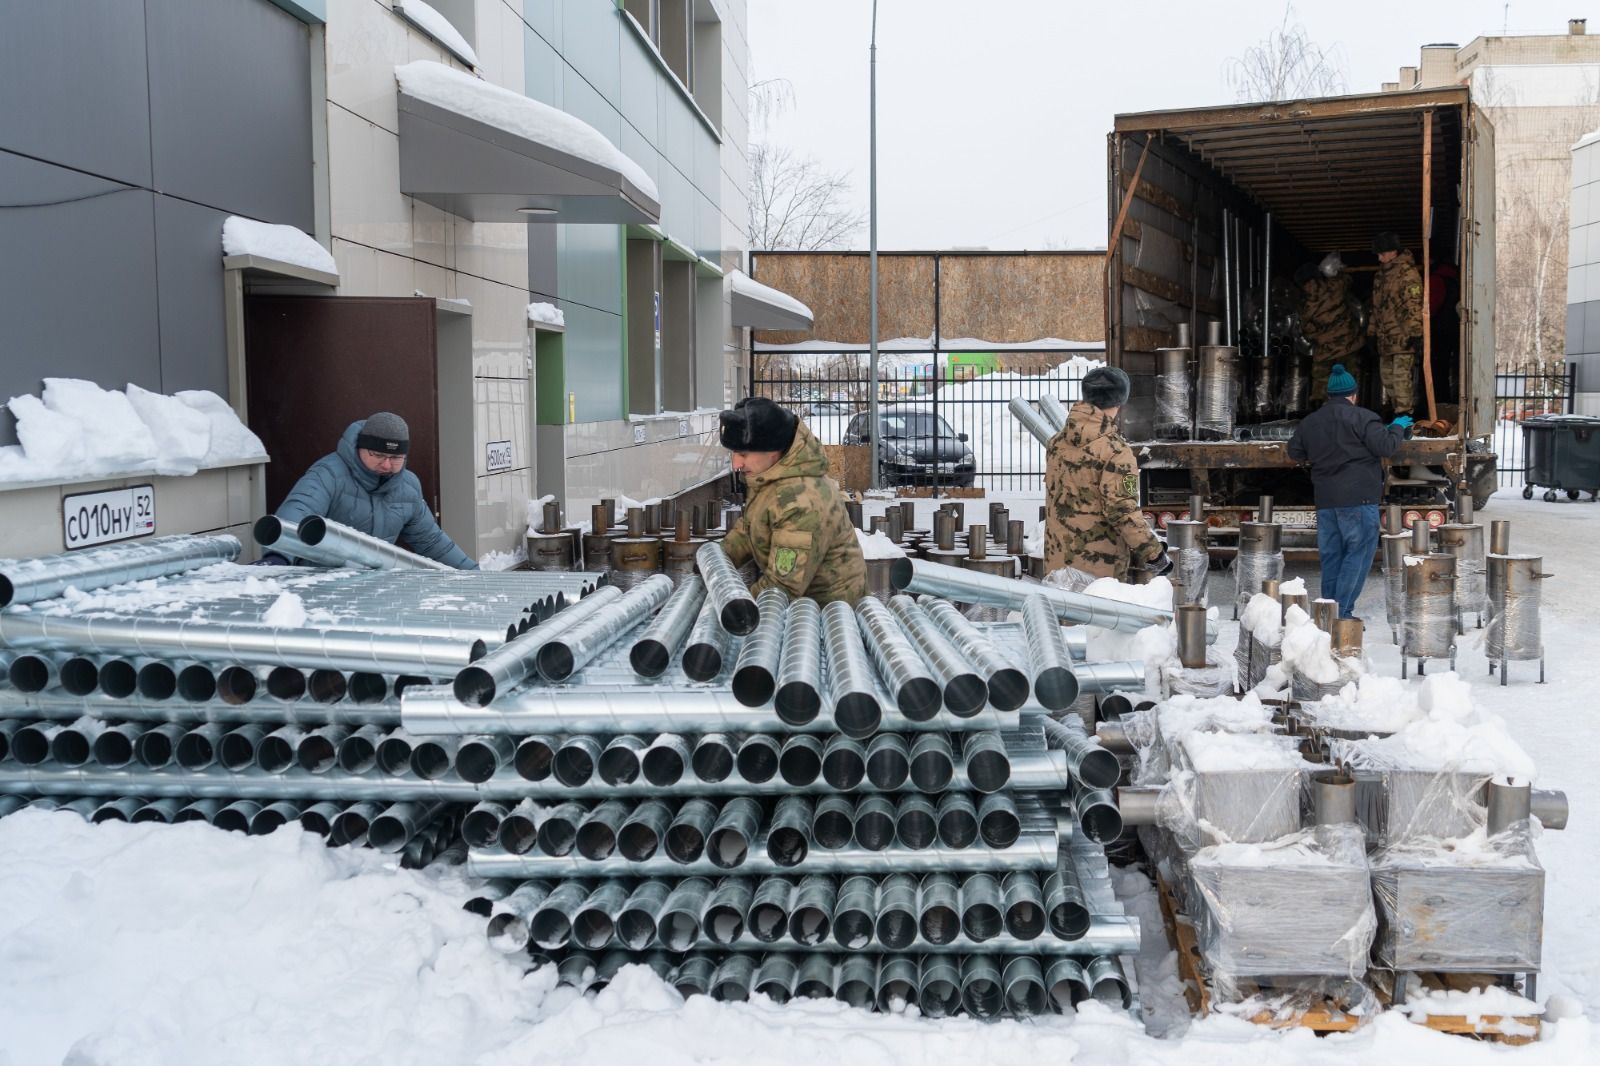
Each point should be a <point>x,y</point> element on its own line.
<point>314,364</point>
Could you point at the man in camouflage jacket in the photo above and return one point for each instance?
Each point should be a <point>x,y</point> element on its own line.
<point>1092,520</point>
<point>794,524</point>
<point>1326,323</point>
<point>1396,320</point>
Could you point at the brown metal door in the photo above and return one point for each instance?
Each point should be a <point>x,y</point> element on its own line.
<point>314,364</point>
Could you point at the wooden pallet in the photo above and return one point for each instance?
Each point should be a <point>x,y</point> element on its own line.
<point>1330,1016</point>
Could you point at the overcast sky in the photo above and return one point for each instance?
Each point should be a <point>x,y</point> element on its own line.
<point>992,117</point>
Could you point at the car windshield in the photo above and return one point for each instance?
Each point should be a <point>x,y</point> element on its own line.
<point>915,424</point>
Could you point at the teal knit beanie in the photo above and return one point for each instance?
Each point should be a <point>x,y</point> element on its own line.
<point>1341,382</point>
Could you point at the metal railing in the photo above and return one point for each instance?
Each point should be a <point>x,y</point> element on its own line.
<point>1522,396</point>
<point>831,394</point>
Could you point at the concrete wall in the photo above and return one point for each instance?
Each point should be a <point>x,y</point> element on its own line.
<point>113,269</point>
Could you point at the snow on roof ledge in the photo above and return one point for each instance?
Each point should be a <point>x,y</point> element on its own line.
<point>431,21</point>
<point>549,154</point>
<point>764,307</point>
<point>281,244</point>
<point>1587,139</point>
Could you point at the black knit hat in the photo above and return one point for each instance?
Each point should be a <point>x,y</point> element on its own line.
<point>1105,386</point>
<point>756,424</point>
<point>385,433</point>
<point>1387,241</point>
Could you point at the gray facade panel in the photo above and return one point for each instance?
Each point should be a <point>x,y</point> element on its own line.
<point>593,350</point>
<point>77,281</point>
<point>542,261</point>
<point>230,107</point>
<point>73,78</point>
<point>1575,316</point>
<point>1591,326</point>
<point>591,266</point>
<point>189,276</point>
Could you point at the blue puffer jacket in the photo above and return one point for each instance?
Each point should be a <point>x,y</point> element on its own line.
<point>389,506</point>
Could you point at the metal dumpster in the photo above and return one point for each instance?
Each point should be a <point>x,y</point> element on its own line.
<point>1562,453</point>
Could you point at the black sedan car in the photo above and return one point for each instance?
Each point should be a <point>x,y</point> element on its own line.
<point>915,447</point>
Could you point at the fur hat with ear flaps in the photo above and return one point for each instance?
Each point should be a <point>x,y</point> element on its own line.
<point>756,424</point>
<point>1105,386</point>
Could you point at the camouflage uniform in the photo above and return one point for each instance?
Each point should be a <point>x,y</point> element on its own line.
<point>1326,323</point>
<point>1396,318</point>
<point>795,528</point>
<point>1092,489</point>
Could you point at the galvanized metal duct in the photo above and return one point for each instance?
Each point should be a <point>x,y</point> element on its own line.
<point>971,586</point>
<point>1055,685</point>
<point>707,646</point>
<point>46,577</point>
<point>755,672</point>
<point>1106,934</point>
<point>515,660</point>
<point>736,608</point>
<point>1032,421</point>
<point>1035,849</point>
<point>263,645</point>
<point>798,697</point>
<point>355,547</point>
<point>58,705</point>
<point>655,647</point>
<point>852,688</point>
<point>1087,761</point>
<point>579,640</point>
<point>623,709</point>
<point>1008,686</point>
<point>917,695</point>
<point>1054,411</point>
<point>282,535</point>
<point>964,691</point>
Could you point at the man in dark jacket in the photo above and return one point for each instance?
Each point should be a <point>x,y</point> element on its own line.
<point>364,484</point>
<point>1346,446</point>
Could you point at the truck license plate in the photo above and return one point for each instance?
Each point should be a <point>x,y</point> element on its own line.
<point>1297,519</point>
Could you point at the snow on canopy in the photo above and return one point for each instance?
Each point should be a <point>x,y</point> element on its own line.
<point>286,244</point>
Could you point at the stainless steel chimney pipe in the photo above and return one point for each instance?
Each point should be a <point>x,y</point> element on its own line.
<point>32,580</point>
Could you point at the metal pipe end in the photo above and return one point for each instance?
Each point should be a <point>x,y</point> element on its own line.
<point>474,686</point>
<point>267,530</point>
<point>312,529</point>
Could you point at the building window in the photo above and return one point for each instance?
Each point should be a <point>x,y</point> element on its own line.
<point>645,325</point>
<point>687,38</point>
<point>679,340</point>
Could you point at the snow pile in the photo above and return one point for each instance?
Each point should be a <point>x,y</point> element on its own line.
<point>288,611</point>
<point>497,560</point>
<point>1155,645</point>
<point>1183,715</point>
<point>77,430</point>
<point>745,285</point>
<point>878,546</point>
<point>286,244</point>
<point>547,314</point>
<point>1375,703</point>
<point>427,19</point>
<point>535,513</point>
<point>1307,650</point>
<point>503,109</point>
<point>1214,753</point>
<point>1474,1004</point>
<point>1263,618</point>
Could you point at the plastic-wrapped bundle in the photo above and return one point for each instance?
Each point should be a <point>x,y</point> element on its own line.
<point>1264,654</point>
<point>1260,559</point>
<point>1191,561</point>
<point>1230,787</point>
<point>1241,660</point>
<point>1514,630</point>
<point>1172,393</point>
<point>1395,548</point>
<point>1297,384</point>
<point>1466,543</point>
<point>1477,910</point>
<point>1297,906</point>
<point>1430,615</point>
<point>1403,795</point>
<point>1219,377</point>
<point>1214,679</point>
<point>1305,690</point>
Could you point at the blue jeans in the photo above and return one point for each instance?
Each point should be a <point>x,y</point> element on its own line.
<point>1347,537</point>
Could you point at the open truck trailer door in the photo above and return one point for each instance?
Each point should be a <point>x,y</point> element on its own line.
<point>1211,210</point>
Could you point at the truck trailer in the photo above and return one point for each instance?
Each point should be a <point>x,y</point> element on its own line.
<point>1212,210</point>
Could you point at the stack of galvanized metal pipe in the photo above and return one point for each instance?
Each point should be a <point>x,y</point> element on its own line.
<point>192,696</point>
<point>747,795</point>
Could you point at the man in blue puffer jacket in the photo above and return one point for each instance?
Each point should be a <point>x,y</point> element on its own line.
<point>366,486</point>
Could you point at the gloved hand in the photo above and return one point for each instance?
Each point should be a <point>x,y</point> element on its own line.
<point>1331,264</point>
<point>1160,564</point>
<point>1403,421</point>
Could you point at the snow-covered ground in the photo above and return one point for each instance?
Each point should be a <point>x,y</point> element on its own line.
<point>181,944</point>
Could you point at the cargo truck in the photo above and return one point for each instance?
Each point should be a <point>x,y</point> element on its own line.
<point>1211,212</point>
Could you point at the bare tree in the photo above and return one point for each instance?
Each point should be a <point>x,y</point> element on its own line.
<point>795,202</point>
<point>1286,65</point>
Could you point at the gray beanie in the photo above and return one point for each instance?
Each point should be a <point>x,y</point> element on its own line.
<point>1105,386</point>
<point>386,433</point>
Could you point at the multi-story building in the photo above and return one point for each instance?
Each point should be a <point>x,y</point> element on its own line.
<point>1583,291</point>
<point>1542,93</point>
<point>464,162</point>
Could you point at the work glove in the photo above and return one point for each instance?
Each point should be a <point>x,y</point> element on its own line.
<point>1403,421</point>
<point>1160,564</point>
<point>1331,264</point>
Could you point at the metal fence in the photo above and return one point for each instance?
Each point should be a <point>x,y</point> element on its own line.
<point>831,394</point>
<point>1521,396</point>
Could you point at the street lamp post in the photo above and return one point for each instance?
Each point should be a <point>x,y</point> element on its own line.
<point>872,254</point>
